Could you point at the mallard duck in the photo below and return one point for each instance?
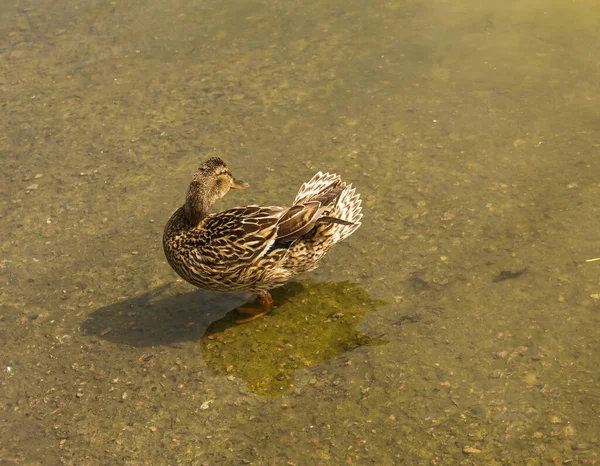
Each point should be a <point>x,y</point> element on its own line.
<point>256,248</point>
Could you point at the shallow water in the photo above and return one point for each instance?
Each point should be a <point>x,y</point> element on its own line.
<point>460,323</point>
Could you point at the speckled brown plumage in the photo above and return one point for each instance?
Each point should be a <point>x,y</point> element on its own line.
<point>256,248</point>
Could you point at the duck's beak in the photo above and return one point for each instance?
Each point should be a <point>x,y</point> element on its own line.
<point>239,184</point>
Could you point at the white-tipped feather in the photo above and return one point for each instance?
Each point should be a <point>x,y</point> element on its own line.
<point>348,208</point>
<point>317,185</point>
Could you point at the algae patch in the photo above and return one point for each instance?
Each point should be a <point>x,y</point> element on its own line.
<point>313,322</point>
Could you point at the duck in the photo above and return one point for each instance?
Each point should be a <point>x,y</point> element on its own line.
<point>256,248</point>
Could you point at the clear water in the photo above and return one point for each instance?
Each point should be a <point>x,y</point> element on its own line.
<point>459,324</point>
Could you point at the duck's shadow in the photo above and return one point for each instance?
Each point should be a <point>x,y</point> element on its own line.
<point>163,316</point>
<point>313,322</point>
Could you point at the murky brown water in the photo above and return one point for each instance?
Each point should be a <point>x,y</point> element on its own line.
<point>459,324</point>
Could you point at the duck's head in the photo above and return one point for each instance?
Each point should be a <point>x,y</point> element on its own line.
<point>211,182</point>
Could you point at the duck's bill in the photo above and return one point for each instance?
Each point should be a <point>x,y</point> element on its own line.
<point>239,184</point>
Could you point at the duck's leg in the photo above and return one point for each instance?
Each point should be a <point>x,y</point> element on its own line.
<point>258,308</point>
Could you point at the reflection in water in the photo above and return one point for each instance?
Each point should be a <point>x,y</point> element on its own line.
<point>313,323</point>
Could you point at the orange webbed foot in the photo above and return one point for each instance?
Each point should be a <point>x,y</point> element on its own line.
<point>258,308</point>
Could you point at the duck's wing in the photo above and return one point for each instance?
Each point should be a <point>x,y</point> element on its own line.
<point>319,210</point>
<point>297,221</point>
<point>314,203</point>
<point>239,235</point>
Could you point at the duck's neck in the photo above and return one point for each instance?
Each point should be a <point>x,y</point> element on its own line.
<point>197,203</point>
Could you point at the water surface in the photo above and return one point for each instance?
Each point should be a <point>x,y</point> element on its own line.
<point>459,324</point>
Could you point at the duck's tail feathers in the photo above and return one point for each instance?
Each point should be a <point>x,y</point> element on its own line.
<point>340,201</point>
<point>318,185</point>
<point>348,212</point>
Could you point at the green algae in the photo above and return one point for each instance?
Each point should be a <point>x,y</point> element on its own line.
<point>313,322</point>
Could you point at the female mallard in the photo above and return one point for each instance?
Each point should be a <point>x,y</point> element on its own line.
<point>256,248</point>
